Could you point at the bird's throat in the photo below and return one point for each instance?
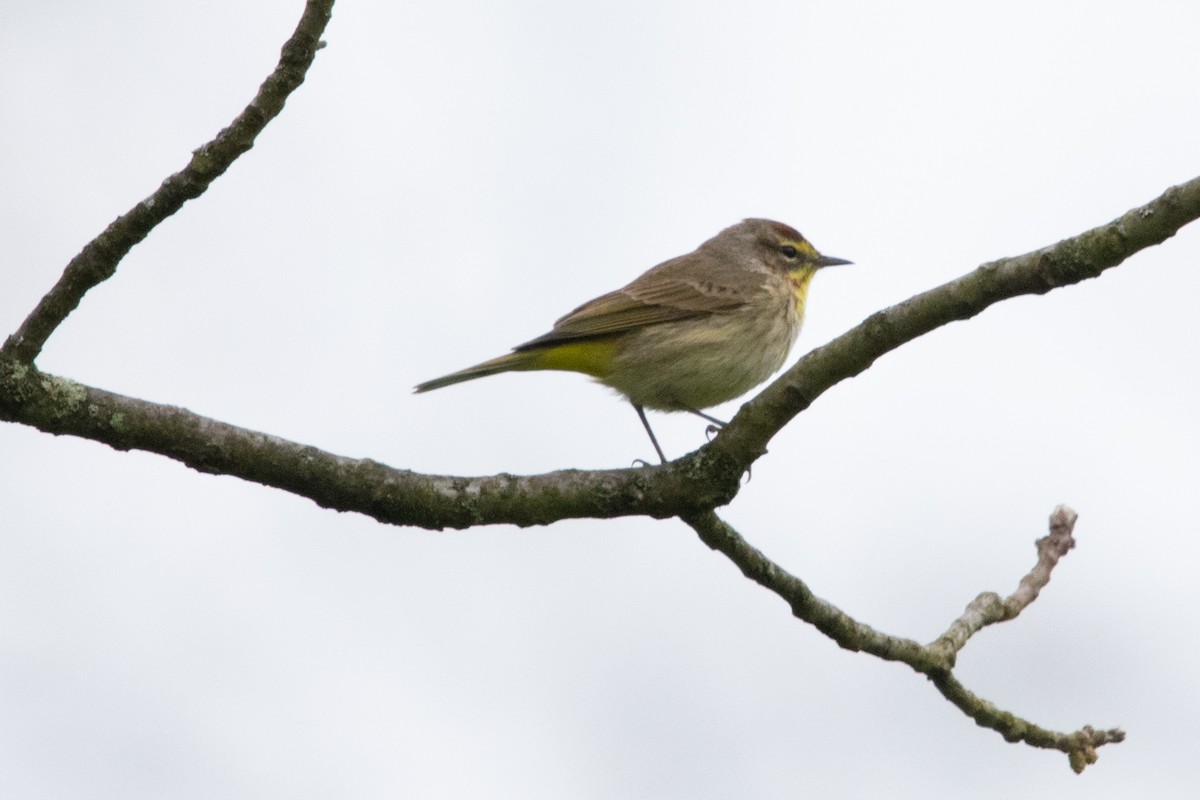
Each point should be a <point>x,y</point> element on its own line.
<point>800,280</point>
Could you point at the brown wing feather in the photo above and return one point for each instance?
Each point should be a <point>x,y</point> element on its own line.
<point>654,298</point>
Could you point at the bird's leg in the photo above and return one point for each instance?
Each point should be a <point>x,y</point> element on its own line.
<point>653,440</point>
<point>716,425</point>
<point>713,428</point>
<point>720,423</point>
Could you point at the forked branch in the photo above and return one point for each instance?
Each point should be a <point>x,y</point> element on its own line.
<point>935,660</point>
<point>690,487</point>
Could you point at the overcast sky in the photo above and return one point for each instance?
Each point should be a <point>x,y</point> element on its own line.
<point>452,177</point>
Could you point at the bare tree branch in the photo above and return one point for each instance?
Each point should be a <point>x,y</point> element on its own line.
<point>703,480</point>
<point>806,606</point>
<point>400,497</point>
<point>99,258</point>
<point>1079,746</point>
<point>690,487</point>
<point>1069,261</point>
<point>988,608</point>
<point>935,660</point>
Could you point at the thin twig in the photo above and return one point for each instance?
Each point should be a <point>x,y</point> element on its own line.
<point>936,660</point>
<point>99,258</point>
<point>1080,746</point>
<point>988,608</point>
<point>806,606</point>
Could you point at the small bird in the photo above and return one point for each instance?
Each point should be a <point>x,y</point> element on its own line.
<point>690,333</point>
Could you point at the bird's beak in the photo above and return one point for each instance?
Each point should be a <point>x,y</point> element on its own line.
<point>831,261</point>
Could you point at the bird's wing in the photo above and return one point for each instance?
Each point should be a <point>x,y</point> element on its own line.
<point>652,299</point>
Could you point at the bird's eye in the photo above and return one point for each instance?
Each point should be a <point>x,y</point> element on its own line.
<point>789,251</point>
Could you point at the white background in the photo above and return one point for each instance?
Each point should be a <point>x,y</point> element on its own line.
<point>452,177</point>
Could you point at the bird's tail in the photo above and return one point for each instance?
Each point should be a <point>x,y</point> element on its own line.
<point>506,363</point>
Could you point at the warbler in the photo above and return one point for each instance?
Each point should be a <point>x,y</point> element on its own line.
<point>688,334</point>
